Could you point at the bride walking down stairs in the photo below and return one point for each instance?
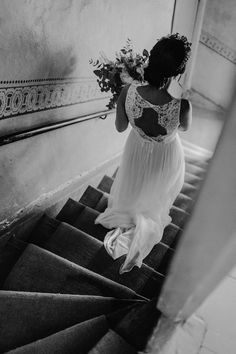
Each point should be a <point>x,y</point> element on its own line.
<point>62,293</point>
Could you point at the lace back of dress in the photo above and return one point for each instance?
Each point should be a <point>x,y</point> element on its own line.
<point>168,114</point>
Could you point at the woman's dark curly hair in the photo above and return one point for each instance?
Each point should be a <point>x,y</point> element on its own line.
<point>167,59</point>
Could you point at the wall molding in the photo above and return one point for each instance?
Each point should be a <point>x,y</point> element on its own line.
<point>19,97</point>
<point>217,46</point>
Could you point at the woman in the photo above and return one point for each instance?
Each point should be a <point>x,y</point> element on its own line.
<point>151,173</point>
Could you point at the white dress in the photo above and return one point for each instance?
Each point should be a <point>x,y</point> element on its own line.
<point>148,181</point>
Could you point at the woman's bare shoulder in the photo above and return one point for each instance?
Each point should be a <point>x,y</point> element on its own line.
<point>123,93</point>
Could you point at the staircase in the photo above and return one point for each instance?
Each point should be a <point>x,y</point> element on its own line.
<point>62,293</point>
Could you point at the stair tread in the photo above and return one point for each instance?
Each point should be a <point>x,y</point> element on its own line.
<point>193,179</point>
<point>88,252</point>
<point>170,236</point>
<point>171,233</point>
<point>196,171</point>
<point>55,274</point>
<point>194,149</point>
<point>197,162</point>
<point>134,327</point>
<point>178,215</point>
<point>78,338</point>
<point>111,342</point>
<point>83,220</point>
<point>26,317</point>
<point>9,254</point>
<point>161,263</point>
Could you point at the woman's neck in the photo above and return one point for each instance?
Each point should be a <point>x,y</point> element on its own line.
<point>162,89</point>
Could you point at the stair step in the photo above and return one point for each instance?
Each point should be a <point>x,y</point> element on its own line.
<point>179,216</point>
<point>184,202</point>
<point>38,270</point>
<point>190,190</point>
<point>196,150</point>
<point>137,325</point>
<point>9,254</point>
<point>26,317</point>
<point>87,197</point>
<point>204,164</point>
<point>105,184</point>
<point>112,343</point>
<point>88,252</point>
<point>66,241</point>
<point>191,167</point>
<point>76,339</point>
<point>82,217</point>
<point>193,179</point>
<point>91,196</point>
<point>171,231</point>
<point>161,260</point>
<point>171,235</point>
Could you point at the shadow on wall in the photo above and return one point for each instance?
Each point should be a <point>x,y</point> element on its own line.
<point>61,64</point>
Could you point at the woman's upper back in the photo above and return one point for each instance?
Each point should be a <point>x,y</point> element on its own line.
<point>154,116</point>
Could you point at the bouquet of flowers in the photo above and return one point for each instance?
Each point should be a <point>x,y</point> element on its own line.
<point>127,67</point>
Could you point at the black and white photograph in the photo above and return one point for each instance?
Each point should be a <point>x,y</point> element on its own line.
<point>117,176</point>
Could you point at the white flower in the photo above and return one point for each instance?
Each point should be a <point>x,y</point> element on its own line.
<point>125,77</point>
<point>140,70</point>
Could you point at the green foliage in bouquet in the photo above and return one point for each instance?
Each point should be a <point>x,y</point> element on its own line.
<point>113,75</point>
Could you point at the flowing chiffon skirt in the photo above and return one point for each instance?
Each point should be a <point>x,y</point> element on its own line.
<point>148,181</point>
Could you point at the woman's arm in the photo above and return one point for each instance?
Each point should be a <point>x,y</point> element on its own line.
<point>185,117</point>
<point>121,117</point>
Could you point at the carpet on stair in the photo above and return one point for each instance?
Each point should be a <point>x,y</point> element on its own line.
<point>38,270</point>
<point>171,235</point>
<point>179,217</point>
<point>160,249</point>
<point>77,339</point>
<point>88,252</point>
<point>82,217</point>
<point>137,325</point>
<point>190,190</point>
<point>193,179</point>
<point>25,317</point>
<point>182,202</point>
<point>112,343</point>
<point>9,254</point>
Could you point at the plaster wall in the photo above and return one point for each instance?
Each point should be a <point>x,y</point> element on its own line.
<point>215,68</point>
<point>213,77</point>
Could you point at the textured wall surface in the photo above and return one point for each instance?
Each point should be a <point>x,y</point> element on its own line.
<point>45,77</point>
<point>216,61</point>
<point>46,46</point>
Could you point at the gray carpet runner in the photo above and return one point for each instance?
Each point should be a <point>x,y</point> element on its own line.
<point>62,293</point>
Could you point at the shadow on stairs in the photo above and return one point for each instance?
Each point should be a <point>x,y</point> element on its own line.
<point>62,293</point>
